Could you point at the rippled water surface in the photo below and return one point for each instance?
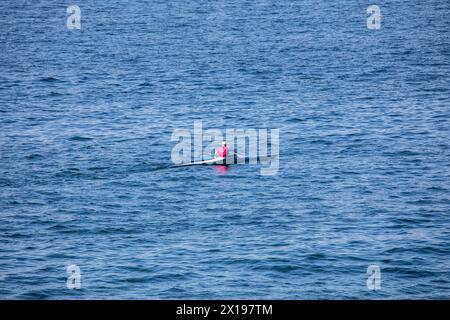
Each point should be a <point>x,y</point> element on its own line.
<point>86,118</point>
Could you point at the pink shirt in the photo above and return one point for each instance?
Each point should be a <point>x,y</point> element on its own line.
<point>222,151</point>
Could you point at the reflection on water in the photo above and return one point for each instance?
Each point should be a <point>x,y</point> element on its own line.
<point>222,168</point>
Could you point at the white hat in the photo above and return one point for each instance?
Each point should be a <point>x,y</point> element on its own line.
<point>224,143</point>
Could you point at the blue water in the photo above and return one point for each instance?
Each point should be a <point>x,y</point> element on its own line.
<point>86,118</point>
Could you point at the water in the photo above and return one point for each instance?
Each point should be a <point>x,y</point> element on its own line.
<point>86,118</point>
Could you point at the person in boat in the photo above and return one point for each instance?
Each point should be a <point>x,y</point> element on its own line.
<point>222,151</point>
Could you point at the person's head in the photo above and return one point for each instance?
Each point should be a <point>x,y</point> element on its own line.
<point>224,144</point>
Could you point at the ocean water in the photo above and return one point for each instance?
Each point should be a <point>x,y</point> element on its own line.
<point>86,118</point>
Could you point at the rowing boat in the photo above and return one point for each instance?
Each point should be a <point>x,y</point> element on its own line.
<point>235,159</point>
<point>215,161</point>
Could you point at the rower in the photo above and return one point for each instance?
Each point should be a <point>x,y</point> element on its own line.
<point>222,151</point>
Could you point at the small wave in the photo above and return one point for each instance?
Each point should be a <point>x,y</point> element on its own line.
<point>34,156</point>
<point>50,79</point>
<point>287,268</point>
<point>55,94</point>
<point>68,172</point>
<point>80,138</point>
<point>321,141</point>
<point>401,153</point>
<point>146,84</point>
